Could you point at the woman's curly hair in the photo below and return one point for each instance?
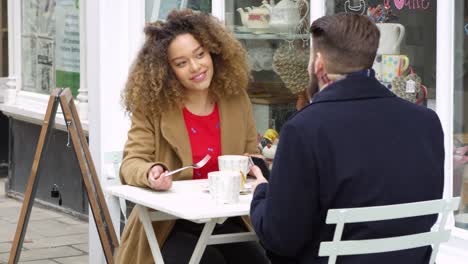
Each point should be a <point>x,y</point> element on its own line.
<point>152,85</point>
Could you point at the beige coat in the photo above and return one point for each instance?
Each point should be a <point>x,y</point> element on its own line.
<point>164,140</point>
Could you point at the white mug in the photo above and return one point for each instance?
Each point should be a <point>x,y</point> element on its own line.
<point>236,163</point>
<point>393,66</point>
<point>391,36</point>
<point>377,66</point>
<point>224,186</point>
<point>233,163</point>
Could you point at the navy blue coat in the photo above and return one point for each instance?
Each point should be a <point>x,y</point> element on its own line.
<point>356,145</point>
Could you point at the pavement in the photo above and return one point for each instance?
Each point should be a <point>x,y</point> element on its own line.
<point>51,237</point>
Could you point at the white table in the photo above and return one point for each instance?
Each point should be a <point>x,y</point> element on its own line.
<point>187,200</point>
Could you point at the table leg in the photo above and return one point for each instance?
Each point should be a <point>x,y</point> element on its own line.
<point>153,242</point>
<point>202,241</point>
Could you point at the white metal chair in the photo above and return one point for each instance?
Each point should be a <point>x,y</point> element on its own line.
<point>337,247</point>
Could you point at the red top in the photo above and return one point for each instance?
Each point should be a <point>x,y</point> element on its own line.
<point>205,138</point>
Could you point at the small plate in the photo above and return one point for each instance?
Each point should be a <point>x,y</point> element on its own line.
<point>247,189</point>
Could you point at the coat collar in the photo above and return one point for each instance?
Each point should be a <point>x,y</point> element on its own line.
<point>173,129</point>
<point>355,86</point>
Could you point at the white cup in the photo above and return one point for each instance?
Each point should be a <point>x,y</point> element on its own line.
<point>233,163</point>
<point>224,186</point>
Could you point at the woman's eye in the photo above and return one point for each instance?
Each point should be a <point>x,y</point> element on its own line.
<point>180,64</point>
<point>201,54</point>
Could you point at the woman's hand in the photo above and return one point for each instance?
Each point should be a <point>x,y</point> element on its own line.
<point>255,171</point>
<point>157,179</point>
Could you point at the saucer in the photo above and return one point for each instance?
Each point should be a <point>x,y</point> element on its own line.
<point>246,190</point>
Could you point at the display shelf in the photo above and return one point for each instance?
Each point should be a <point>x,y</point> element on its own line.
<point>283,36</point>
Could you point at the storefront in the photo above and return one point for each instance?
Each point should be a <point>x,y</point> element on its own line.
<point>89,46</point>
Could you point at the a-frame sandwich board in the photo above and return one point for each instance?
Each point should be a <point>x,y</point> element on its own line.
<point>96,199</point>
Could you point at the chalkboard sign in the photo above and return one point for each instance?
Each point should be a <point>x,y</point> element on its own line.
<point>97,202</point>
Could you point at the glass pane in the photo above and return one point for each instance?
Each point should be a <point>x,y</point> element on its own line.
<point>408,38</point>
<point>460,121</point>
<point>50,45</point>
<point>158,9</point>
<point>275,35</point>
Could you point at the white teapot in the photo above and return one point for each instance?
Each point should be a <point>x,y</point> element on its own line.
<point>286,15</point>
<point>256,16</point>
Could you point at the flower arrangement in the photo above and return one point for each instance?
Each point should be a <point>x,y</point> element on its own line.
<point>381,13</point>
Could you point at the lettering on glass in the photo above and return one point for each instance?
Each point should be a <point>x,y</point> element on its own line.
<point>410,4</point>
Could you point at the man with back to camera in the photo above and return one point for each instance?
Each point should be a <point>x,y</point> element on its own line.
<point>355,145</point>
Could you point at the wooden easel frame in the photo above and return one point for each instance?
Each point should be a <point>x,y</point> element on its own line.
<point>97,202</point>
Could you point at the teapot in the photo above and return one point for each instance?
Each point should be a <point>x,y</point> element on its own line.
<point>256,16</point>
<point>286,15</point>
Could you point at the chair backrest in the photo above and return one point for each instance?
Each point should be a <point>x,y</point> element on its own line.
<point>337,247</point>
<point>114,160</point>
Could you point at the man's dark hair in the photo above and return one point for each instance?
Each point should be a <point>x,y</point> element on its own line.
<point>348,42</point>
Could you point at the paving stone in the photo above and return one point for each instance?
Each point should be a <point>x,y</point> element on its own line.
<point>51,228</point>
<point>71,221</point>
<point>73,260</point>
<point>44,254</point>
<point>57,241</point>
<point>83,247</point>
<point>51,237</point>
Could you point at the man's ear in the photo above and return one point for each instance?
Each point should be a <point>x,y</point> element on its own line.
<point>319,63</point>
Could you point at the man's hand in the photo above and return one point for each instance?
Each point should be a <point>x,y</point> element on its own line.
<point>157,179</point>
<point>255,171</point>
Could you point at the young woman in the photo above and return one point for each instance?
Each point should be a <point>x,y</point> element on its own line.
<point>186,94</point>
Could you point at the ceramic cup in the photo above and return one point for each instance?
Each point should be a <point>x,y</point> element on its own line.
<point>391,36</point>
<point>377,66</point>
<point>236,163</point>
<point>393,66</point>
<point>224,186</point>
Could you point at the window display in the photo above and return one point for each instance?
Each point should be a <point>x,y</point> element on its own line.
<point>275,36</point>
<point>50,45</point>
<point>407,45</point>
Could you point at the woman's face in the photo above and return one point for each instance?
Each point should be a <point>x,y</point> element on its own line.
<point>191,63</point>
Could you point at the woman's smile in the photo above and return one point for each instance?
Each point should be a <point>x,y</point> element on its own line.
<point>199,77</point>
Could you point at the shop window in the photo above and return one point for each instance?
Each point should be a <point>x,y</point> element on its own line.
<point>158,9</point>
<point>460,121</point>
<point>408,36</point>
<point>276,38</point>
<point>50,42</point>
<point>3,39</point>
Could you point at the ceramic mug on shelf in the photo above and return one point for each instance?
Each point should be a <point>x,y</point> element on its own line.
<point>224,186</point>
<point>377,66</point>
<point>391,37</point>
<point>393,66</point>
